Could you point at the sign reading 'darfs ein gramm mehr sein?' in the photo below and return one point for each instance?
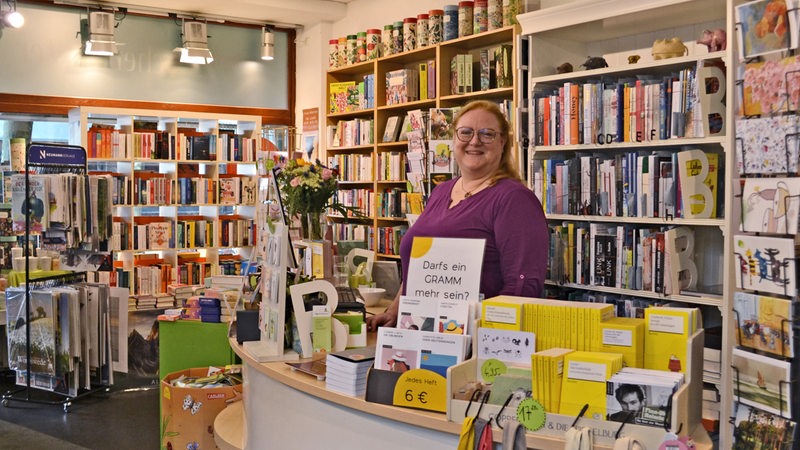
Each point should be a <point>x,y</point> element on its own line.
<point>445,268</point>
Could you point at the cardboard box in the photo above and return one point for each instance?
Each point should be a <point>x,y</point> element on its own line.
<point>187,414</point>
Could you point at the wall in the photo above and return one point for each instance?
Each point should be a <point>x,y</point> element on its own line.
<point>44,57</point>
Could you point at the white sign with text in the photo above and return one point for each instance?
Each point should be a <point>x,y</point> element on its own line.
<point>445,268</point>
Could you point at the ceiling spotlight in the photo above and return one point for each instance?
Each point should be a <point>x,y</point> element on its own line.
<point>101,34</point>
<point>12,18</point>
<point>195,44</point>
<point>267,44</point>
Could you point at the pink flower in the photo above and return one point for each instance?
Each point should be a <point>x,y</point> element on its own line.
<point>295,182</point>
<point>327,174</point>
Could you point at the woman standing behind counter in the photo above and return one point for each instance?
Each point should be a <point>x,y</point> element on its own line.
<point>488,201</point>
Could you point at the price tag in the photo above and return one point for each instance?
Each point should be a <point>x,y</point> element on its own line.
<point>492,368</point>
<point>531,414</point>
<point>421,389</point>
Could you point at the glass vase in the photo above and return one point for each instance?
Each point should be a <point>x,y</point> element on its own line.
<point>311,225</point>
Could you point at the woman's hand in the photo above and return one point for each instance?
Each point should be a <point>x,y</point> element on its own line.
<point>384,319</point>
<point>388,318</point>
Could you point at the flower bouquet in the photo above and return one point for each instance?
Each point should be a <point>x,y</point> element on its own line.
<point>308,189</point>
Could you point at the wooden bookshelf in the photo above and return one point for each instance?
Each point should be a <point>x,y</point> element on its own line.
<point>200,179</point>
<point>379,112</point>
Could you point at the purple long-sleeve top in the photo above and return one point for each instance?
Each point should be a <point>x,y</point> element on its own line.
<point>511,220</point>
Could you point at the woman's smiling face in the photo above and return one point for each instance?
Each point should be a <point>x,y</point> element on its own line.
<point>478,158</point>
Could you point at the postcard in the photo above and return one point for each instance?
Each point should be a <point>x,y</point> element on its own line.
<point>763,27</point>
<point>762,382</point>
<point>765,264</point>
<point>770,205</point>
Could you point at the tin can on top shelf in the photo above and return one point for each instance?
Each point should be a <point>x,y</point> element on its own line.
<point>397,37</point>
<point>480,17</point>
<point>510,11</point>
<point>494,9</point>
<point>373,43</point>
<point>435,26</point>
<point>342,49</point>
<point>465,10</point>
<point>450,22</point>
<point>352,53</point>
<point>409,34</point>
<point>422,30</point>
<point>386,40</point>
<point>333,53</point>
<point>361,46</point>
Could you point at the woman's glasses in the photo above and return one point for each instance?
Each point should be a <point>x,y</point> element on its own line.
<point>485,135</point>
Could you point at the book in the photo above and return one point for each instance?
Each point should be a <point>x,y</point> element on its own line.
<point>43,323</point>
<point>584,382</point>
<point>641,398</point>
<point>762,382</point>
<point>36,207</point>
<point>764,323</point>
<point>337,95</point>
<point>416,313</point>
<point>624,335</point>
<point>392,129</point>
<point>667,336</point>
<point>765,264</point>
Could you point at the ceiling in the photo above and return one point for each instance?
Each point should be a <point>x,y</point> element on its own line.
<point>277,12</point>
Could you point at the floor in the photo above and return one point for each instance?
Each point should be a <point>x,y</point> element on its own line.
<point>125,417</point>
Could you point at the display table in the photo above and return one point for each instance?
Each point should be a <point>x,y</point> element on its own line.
<point>287,409</point>
<point>283,408</point>
<point>17,278</point>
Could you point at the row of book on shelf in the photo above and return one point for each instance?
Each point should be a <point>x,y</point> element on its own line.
<point>632,184</point>
<point>640,109</point>
<point>154,188</point>
<point>643,258</point>
<point>106,142</point>
<point>351,133</point>
<point>160,233</point>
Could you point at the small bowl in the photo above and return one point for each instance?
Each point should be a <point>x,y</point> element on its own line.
<point>372,296</point>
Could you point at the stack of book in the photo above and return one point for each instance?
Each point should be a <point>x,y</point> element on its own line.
<point>346,371</point>
<point>642,396</point>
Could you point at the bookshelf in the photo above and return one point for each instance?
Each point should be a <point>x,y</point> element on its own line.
<point>184,195</point>
<point>580,149</point>
<point>381,228</point>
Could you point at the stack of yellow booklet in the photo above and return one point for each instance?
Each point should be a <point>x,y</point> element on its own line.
<point>547,368</point>
<point>623,335</point>
<point>556,323</point>
<point>584,382</point>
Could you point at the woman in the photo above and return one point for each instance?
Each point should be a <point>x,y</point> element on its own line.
<point>488,201</point>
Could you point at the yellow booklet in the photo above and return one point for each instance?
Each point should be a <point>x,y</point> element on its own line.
<point>623,335</point>
<point>667,336</point>
<point>584,382</point>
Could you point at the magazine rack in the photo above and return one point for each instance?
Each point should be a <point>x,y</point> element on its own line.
<point>52,159</point>
<point>684,421</point>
